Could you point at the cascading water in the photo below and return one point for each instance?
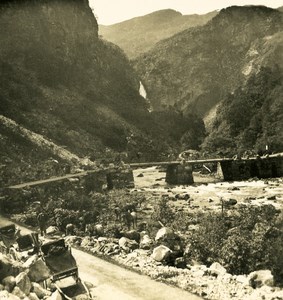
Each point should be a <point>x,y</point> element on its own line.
<point>142,92</point>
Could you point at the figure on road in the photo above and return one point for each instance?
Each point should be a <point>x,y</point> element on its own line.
<point>42,223</point>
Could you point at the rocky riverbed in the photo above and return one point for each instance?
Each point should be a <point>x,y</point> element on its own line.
<point>213,282</point>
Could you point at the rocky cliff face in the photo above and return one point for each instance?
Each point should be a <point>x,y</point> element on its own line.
<point>196,68</point>
<point>138,35</point>
<point>60,80</point>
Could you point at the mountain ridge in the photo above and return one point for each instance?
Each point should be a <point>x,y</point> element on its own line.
<point>195,68</point>
<point>139,34</point>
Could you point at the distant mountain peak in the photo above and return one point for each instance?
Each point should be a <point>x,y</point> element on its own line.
<point>138,35</point>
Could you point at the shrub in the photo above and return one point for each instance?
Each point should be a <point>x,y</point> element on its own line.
<point>163,212</point>
<point>207,242</point>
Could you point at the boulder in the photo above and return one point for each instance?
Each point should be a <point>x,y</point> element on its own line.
<point>127,244</point>
<point>32,296</point>
<point>146,242</point>
<point>38,271</point>
<point>9,267</point>
<point>52,230</point>
<point>132,235</point>
<point>87,241</point>
<point>180,263</point>
<point>102,239</point>
<point>23,282</point>
<point>39,290</point>
<point>183,196</point>
<point>9,283</point>
<point>111,249</point>
<point>6,296</point>
<point>216,269</point>
<point>167,237</point>
<point>2,288</point>
<point>31,260</point>
<point>18,292</point>
<point>161,253</point>
<point>73,239</point>
<point>261,277</point>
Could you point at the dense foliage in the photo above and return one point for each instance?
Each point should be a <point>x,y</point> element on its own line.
<point>243,240</point>
<point>251,117</point>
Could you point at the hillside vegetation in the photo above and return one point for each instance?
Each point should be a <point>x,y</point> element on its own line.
<point>61,81</point>
<point>250,118</point>
<point>229,72</point>
<point>138,35</point>
<point>195,69</point>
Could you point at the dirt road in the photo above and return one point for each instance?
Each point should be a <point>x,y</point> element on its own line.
<point>114,282</point>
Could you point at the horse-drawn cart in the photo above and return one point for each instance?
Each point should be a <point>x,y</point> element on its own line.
<point>63,267</point>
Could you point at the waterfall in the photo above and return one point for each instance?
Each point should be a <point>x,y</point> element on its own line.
<point>142,92</point>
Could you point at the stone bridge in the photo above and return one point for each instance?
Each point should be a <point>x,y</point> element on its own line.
<point>228,169</point>
<point>177,172</point>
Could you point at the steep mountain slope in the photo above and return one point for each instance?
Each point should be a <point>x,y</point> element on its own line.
<point>138,35</point>
<point>252,117</point>
<point>60,80</point>
<point>196,68</point>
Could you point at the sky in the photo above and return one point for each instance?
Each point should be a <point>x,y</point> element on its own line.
<point>115,11</point>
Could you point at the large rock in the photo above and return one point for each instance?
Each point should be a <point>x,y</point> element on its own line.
<point>52,230</point>
<point>161,253</point>
<point>146,242</point>
<point>73,240</point>
<point>180,262</point>
<point>87,241</point>
<point>260,278</point>
<point>132,235</point>
<point>9,267</point>
<point>32,296</point>
<point>127,244</point>
<point>9,283</point>
<point>38,271</point>
<point>23,282</point>
<point>6,296</point>
<point>18,292</point>
<point>40,291</point>
<point>217,269</point>
<point>167,237</point>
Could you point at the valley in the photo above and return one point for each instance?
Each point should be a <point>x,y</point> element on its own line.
<point>151,147</point>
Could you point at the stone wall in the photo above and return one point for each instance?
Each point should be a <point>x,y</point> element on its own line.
<point>179,174</point>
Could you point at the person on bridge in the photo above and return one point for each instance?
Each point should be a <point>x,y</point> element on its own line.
<point>42,223</point>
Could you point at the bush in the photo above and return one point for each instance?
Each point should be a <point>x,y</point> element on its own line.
<point>163,212</point>
<point>207,242</point>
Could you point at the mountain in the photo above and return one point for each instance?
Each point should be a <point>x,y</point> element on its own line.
<point>251,117</point>
<point>195,69</point>
<point>138,35</point>
<point>63,87</point>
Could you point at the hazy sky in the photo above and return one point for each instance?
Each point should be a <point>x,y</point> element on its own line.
<point>114,11</point>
